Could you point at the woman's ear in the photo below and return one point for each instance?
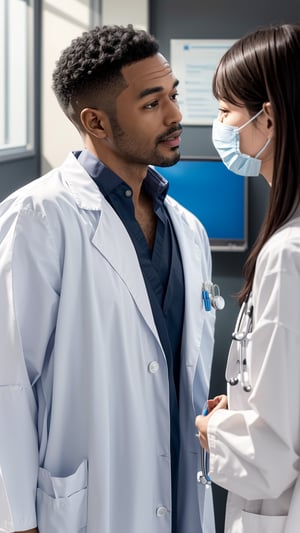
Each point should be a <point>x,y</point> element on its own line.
<point>269,115</point>
<point>94,122</point>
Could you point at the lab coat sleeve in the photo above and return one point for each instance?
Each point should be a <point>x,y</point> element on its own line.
<point>255,451</point>
<point>28,299</point>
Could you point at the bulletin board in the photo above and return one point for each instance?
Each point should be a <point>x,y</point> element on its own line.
<point>194,62</point>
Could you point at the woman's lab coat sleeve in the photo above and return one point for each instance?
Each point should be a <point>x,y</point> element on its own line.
<point>28,299</point>
<point>255,449</point>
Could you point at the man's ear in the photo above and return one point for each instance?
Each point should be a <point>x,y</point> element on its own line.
<point>94,122</point>
<point>269,115</point>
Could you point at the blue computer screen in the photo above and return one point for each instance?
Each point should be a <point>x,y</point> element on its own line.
<point>217,196</point>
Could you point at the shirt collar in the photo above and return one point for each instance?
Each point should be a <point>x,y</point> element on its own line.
<point>155,185</point>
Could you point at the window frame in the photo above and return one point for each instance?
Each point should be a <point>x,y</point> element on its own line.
<point>10,149</point>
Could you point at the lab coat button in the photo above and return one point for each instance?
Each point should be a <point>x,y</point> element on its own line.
<point>153,367</point>
<point>161,511</point>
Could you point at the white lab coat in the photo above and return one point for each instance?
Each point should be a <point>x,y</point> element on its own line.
<point>255,445</point>
<point>84,403</point>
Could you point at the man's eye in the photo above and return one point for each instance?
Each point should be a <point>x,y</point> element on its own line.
<point>151,105</point>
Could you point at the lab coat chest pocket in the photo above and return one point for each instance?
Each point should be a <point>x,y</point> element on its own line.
<point>62,502</point>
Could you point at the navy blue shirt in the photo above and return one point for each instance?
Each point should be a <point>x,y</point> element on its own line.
<point>162,271</point>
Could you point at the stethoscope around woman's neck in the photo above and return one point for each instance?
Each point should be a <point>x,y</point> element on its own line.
<point>240,335</point>
<point>243,328</point>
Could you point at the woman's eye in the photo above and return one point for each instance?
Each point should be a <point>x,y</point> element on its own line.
<point>223,113</point>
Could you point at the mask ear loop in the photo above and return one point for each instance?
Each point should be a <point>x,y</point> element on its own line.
<point>249,122</point>
<point>263,148</point>
<point>251,119</point>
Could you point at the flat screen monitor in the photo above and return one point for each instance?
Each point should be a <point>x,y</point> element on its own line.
<point>217,197</point>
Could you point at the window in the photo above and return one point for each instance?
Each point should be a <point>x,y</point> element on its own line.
<point>16,78</point>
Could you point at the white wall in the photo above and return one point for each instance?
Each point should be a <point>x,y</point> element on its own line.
<point>61,22</point>
<point>126,12</point>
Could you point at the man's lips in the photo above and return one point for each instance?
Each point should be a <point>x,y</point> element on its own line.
<point>173,139</point>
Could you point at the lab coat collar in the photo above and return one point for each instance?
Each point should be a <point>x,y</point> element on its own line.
<point>82,187</point>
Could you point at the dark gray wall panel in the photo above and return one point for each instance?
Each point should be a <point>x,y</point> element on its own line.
<point>217,19</point>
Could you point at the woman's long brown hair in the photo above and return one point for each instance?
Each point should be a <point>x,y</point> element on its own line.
<point>264,66</point>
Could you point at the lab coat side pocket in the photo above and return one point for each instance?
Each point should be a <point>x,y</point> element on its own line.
<point>261,523</point>
<point>62,502</point>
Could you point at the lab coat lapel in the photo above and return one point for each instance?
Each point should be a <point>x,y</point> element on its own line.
<point>111,238</point>
<point>191,256</point>
<point>113,242</point>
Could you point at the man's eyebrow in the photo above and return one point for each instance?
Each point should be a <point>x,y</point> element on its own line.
<point>153,90</point>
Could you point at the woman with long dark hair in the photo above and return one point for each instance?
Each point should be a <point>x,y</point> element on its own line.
<point>253,434</point>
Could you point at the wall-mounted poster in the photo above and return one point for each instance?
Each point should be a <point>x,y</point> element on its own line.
<point>194,62</point>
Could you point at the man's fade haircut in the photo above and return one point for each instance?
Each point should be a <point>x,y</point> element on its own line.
<point>89,70</point>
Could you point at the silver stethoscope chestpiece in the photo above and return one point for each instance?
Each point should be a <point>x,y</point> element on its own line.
<point>211,296</point>
<point>218,303</point>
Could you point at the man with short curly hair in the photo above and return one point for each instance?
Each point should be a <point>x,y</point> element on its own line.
<point>105,348</point>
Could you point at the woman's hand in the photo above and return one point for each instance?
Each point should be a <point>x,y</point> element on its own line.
<point>201,422</point>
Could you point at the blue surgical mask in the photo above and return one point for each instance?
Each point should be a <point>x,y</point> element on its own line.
<point>226,140</point>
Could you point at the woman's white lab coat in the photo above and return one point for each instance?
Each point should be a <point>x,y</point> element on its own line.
<point>84,403</point>
<point>255,446</point>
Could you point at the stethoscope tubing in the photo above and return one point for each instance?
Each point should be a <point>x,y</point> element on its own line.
<point>203,476</point>
<point>244,327</point>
